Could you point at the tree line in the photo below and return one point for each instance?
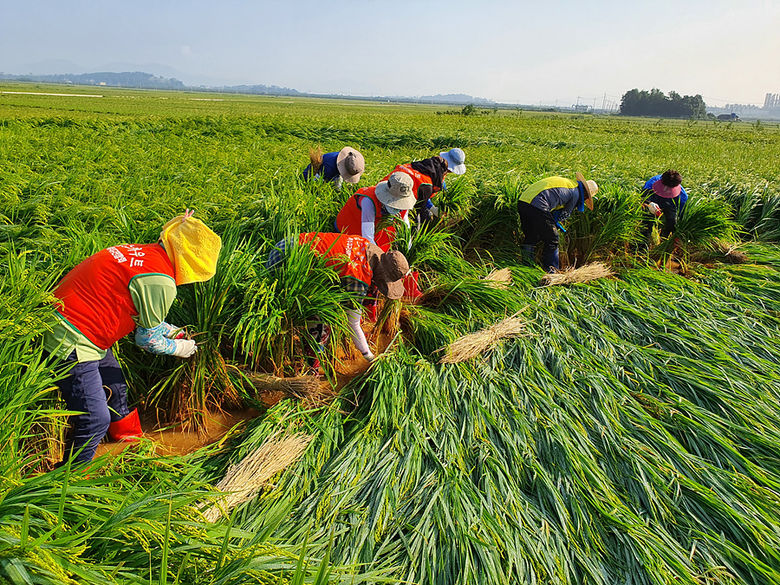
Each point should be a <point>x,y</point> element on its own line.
<point>656,103</point>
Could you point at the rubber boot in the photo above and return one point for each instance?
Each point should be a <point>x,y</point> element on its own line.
<point>528,254</point>
<point>127,428</point>
<point>551,259</point>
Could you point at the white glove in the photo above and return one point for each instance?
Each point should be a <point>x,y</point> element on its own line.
<point>434,211</point>
<point>654,209</point>
<point>185,348</point>
<point>370,357</point>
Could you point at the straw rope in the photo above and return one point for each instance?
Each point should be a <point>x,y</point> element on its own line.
<point>474,344</point>
<point>585,273</point>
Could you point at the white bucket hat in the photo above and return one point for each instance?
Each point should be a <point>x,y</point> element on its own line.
<point>397,191</point>
<point>455,158</point>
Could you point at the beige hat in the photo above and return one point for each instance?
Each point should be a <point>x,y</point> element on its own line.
<point>350,164</point>
<point>389,269</point>
<point>397,191</point>
<point>591,188</point>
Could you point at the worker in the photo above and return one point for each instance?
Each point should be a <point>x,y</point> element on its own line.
<point>369,211</point>
<point>664,195</point>
<point>108,295</point>
<point>428,176</point>
<point>542,208</point>
<point>360,264</point>
<point>335,167</point>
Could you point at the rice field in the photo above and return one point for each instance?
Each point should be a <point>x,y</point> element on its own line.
<point>622,426</point>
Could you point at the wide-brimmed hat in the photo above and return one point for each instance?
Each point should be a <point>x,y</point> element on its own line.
<point>350,164</point>
<point>192,248</point>
<point>397,191</point>
<point>455,158</point>
<point>591,188</point>
<point>665,191</point>
<point>389,269</point>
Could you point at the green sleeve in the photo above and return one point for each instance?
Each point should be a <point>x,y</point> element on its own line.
<point>152,296</point>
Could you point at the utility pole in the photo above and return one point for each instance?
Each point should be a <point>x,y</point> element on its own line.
<point>604,101</point>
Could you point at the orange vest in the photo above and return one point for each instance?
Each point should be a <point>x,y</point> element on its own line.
<point>344,253</point>
<point>349,218</point>
<point>418,178</point>
<point>94,296</point>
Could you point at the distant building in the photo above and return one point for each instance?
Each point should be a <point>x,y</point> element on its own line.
<point>772,100</point>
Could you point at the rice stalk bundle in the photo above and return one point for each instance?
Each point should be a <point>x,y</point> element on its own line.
<point>296,386</point>
<point>592,271</point>
<point>247,477</point>
<point>474,344</point>
<point>500,278</point>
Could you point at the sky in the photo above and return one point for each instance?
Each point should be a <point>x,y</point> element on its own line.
<point>550,53</point>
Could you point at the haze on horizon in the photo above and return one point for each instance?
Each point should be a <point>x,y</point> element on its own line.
<point>536,53</point>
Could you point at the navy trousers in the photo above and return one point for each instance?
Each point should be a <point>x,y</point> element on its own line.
<point>539,226</point>
<point>98,390</point>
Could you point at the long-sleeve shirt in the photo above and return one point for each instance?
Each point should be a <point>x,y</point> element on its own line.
<point>329,171</point>
<point>682,198</point>
<point>554,194</point>
<point>152,296</point>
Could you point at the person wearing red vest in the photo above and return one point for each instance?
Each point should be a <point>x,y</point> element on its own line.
<point>108,295</point>
<point>360,264</point>
<point>428,176</point>
<point>368,211</point>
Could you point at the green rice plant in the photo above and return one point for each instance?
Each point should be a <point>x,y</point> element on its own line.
<point>271,329</point>
<point>703,224</point>
<point>612,226</point>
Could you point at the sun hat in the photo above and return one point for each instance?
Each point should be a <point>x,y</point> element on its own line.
<point>192,248</point>
<point>590,188</point>
<point>665,191</point>
<point>397,191</point>
<point>350,164</point>
<point>389,270</point>
<point>455,158</point>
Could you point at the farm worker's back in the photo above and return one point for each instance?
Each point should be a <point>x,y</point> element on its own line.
<point>108,295</point>
<point>546,203</point>
<point>346,165</point>
<point>368,211</point>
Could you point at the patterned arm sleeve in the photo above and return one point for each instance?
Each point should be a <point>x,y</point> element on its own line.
<point>155,339</point>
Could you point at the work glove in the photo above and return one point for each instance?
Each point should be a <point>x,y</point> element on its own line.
<point>434,211</point>
<point>654,209</point>
<point>370,357</point>
<point>185,348</point>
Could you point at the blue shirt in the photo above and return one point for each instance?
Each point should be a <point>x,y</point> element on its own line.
<point>681,198</point>
<point>328,171</point>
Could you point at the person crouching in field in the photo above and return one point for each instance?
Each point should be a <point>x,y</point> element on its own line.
<point>664,195</point>
<point>360,264</point>
<point>370,213</point>
<point>335,167</point>
<point>542,208</point>
<point>120,289</point>
<point>428,176</point>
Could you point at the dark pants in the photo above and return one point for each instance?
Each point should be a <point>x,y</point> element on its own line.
<point>669,209</point>
<point>98,390</point>
<point>539,226</point>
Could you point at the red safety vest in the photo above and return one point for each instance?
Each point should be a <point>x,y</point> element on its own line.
<point>349,218</point>
<point>346,254</point>
<point>94,296</point>
<point>418,178</point>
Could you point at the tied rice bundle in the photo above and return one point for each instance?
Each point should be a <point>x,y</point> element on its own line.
<point>300,387</point>
<point>474,344</point>
<point>585,273</point>
<point>500,278</point>
<point>247,477</point>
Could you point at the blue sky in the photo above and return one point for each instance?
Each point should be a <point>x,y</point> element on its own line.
<point>556,52</point>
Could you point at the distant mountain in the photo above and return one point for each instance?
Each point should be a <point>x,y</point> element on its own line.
<point>257,89</point>
<point>126,79</point>
<point>138,79</point>
<point>454,98</point>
